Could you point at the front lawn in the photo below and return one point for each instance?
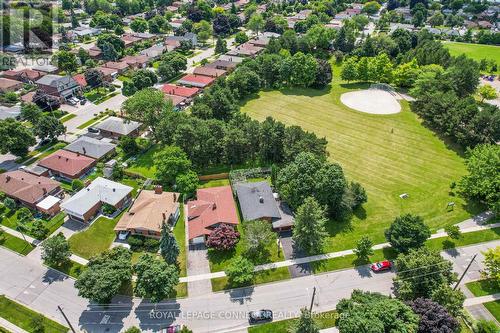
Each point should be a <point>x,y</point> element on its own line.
<point>70,268</point>
<point>323,319</point>
<point>91,121</point>
<point>388,154</point>
<point>483,288</point>
<point>23,317</point>
<point>267,276</point>
<point>95,239</point>
<point>494,309</point>
<point>68,117</point>
<point>15,244</point>
<point>9,219</point>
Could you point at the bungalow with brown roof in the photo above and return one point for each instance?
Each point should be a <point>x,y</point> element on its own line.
<point>177,101</point>
<point>213,206</point>
<point>246,50</point>
<point>68,165</point>
<point>119,67</point>
<point>139,61</point>
<point>194,80</point>
<point>95,52</point>
<point>129,40</point>
<point>29,189</point>
<point>108,74</point>
<point>25,75</point>
<point>223,64</point>
<point>209,71</point>
<point>8,85</point>
<point>149,211</point>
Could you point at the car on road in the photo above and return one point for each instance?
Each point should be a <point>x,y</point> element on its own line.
<point>381,266</point>
<point>260,316</point>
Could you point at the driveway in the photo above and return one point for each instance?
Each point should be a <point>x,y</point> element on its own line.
<point>290,252</point>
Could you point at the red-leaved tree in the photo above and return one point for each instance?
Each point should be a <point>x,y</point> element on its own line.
<point>224,237</point>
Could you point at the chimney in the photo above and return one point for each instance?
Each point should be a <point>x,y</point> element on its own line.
<point>59,156</point>
<point>84,151</point>
<point>175,197</point>
<point>261,199</point>
<point>164,216</point>
<point>214,206</point>
<point>158,189</point>
<point>67,159</point>
<point>114,189</point>
<point>77,154</point>
<point>44,190</point>
<point>8,178</point>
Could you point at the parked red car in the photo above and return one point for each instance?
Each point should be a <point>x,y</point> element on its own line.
<point>381,266</point>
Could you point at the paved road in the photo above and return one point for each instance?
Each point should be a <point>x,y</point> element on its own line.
<point>26,281</point>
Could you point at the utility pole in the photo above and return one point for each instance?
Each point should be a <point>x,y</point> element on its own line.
<point>312,300</point>
<point>460,280</point>
<point>66,318</point>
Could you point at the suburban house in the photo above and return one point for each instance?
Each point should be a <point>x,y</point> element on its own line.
<point>91,147</point>
<point>129,40</point>
<point>67,164</point>
<point>8,85</point>
<point>136,62</point>
<point>47,69</point>
<point>172,89</point>
<point>87,202</point>
<point>31,190</point>
<point>108,74</point>
<point>80,79</point>
<point>119,67</point>
<point>24,75</point>
<point>246,50</point>
<point>194,80</point>
<point>209,71</point>
<point>149,211</point>
<point>177,101</point>
<point>257,202</point>
<point>187,37</point>
<point>36,170</point>
<point>223,64</point>
<point>114,128</point>
<point>212,207</point>
<point>10,112</point>
<point>154,52</point>
<point>95,52</point>
<point>59,86</point>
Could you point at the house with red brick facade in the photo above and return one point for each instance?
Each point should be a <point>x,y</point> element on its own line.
<point>67,164</point>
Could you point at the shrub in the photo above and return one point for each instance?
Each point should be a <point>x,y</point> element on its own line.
<point>77,185</point>
<point>136,242</point>
<point>151,245</point>
<point>224,237</point>
<point>107,209</point>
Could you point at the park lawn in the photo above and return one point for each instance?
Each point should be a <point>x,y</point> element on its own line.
<point>438,244</point>
<point>15,244</point>
<point>474,51</point>
<point>95,239</point>
<point>323,320</point>
<point>267,276</point>
<point>70,268</point>
<point>483,288</point>
<point>180,237</point>
<point>494,309</point>
<point>144,163</point>
<point>388,154</point>
<point>22,317</point>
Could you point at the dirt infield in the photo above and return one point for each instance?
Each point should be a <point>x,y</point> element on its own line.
<point>374,101</point>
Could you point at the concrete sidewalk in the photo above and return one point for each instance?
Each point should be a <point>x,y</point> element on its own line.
<point>326,256</point>
<point>481,300</point>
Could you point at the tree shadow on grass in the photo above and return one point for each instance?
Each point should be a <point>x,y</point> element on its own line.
<point>360,213</point>
<point>355,85</point>
<point>308,92</point>
<point>450,248</point>
<point>334,227</point>
<point>217,257</point>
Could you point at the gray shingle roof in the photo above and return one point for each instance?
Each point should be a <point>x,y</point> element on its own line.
<point>90,147</point>
<point>118,125</point>
<point>257,201</point>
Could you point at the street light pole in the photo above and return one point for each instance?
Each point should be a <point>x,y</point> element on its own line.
<point>312,300</point>
<point>463,274</point>
<point>66,318</point>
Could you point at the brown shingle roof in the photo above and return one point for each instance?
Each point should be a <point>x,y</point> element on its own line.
<point>149,211</point>
<point>25,186</point>
<point>67,162</point>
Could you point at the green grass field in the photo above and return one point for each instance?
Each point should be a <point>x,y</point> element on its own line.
<point>494,309</point>
<point>23,317</point>
<point>474,51</point>
<point>15,244</point>
<point>483,288</point>
<point>144,164</point>
<point>94,240</point>
<point>323,320</point>
<point>388,154</point>
<point>180,236</point>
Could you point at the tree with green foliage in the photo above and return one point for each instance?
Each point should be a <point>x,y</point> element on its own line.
<point>309,229</point>
<point>139,25</point>
<point>481,182</point>
<point>56,250</point>
<point>77,185</point>
<point>371,7</point>
<point>143,78</point>
<point>15,138</point>
<point>349,69</point>
<point>66,61</point>
<point>133,329</point>
<point>305,323</point>
<point>170,162</point>
<point>169,248</point>
<point>492,265</point>
<point>187,183</point>
<point>374,312</point>
<point>453,231</point>
<point>364,249</point>
<point>407,232</point>
<point>241,37</point>
<point>240,271</point>
<point>105,275</point>
<point>30,112</point>
<point>405,75</point>
<point>452,300</point>
<point>148,106</point>
<point>48,127</point>
<point>256,23</point>
<point>111,45</point>
<point>128,145</point>
<point>420,272</point>
<point>156,279</point>
<point>220,46</point>
<point>258,237</point>
<point>9,203</point>
<point>485,326</point>
<point>487,92</point>
<point>464,73</point>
